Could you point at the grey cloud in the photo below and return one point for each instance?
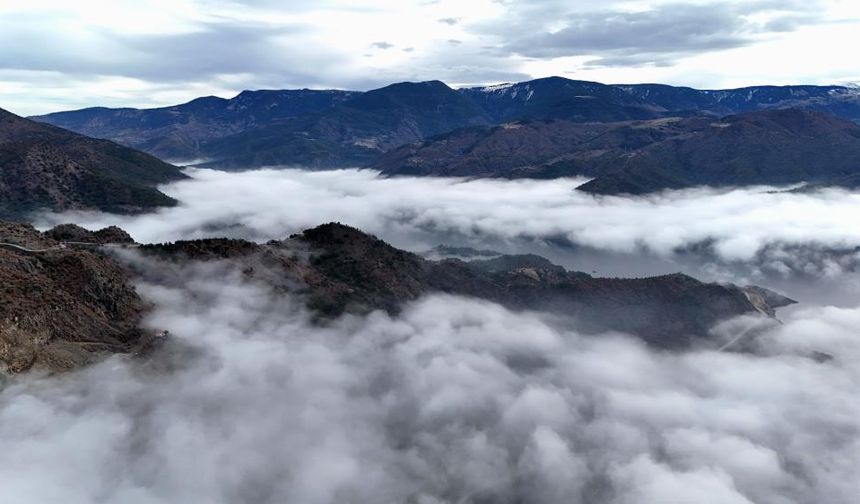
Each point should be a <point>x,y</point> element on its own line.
<point>786,23</point>
<point>660,35</point>
<point>667,29</point>
<point>216,48</point>
<point>382,45</point>
<point>450,21</point>
<point>220,48</point>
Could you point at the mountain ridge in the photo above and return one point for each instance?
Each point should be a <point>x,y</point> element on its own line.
<point>765,147</point>
<point>342,128</point>
<point>770,147</point>
<point>66,304</point>
<point>344,270</point>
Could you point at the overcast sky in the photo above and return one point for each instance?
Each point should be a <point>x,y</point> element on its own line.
<point>57,54</point>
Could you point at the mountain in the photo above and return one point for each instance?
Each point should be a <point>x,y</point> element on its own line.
<point>312,128</point>
<point>178,132</point>
<point>354,132</point>
<point>836,100</point>
<point>584,101</point>
<point>559,98</point>
<point>66,301</point>
<point>63,307</point>
<point>343,269</point>
<point>348,128</point>
<point>42,166</point>
<point>772,146</point>
<point>523,149</point>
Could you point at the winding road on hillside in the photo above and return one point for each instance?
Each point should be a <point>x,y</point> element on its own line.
<point>62,246</point>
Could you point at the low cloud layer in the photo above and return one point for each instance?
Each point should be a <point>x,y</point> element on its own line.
<point>453,401</point>
<point>736,225</point>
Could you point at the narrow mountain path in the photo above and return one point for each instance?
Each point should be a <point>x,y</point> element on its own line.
<point>19,248</point>
<point>62,246</point>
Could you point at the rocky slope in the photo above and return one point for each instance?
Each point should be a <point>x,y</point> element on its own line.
<point>340,269</point>
<point>43,166</point>
<point>63,307</point>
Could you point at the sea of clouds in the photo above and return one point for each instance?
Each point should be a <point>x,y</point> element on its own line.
<point>454,400</point>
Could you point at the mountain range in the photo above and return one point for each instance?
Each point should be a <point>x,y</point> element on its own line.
<point>772,146</point>
<point>630,138</point>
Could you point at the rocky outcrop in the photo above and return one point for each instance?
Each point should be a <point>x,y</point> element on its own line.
<point>63,307</point>
<point>77,234</point>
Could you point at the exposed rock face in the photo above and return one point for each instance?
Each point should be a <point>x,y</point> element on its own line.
<point>42,166</point>
<point>340,269</point>
<point>62,308</point>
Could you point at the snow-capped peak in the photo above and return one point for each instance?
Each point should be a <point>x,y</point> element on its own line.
<point>497,87</point>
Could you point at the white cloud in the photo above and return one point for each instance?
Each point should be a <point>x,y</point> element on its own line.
<point>252,404</point>
<point>271,204</point>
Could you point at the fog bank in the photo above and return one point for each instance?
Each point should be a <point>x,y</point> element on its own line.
<point>270,204</point>
<point>453,401</point>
